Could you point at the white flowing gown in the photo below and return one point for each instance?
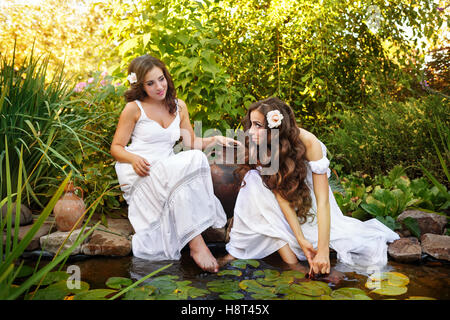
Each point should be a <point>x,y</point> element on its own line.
<point>260,228</point>
<point>176,201</point>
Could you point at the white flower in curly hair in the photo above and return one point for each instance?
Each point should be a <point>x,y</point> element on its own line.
<point>274,118</point>
<point>132,77</point>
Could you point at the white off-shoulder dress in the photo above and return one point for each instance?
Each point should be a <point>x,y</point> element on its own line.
<point>260,228</point>
<point>176,201</point>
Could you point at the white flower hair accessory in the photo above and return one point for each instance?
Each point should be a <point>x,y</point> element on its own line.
<point>132,78</point>
<point>274,118</point>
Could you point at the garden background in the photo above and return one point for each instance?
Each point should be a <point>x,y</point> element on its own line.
<point>368,78</point>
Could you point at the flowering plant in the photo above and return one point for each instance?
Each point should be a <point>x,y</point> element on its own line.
<point>274,118</point>
<point>132,78</point>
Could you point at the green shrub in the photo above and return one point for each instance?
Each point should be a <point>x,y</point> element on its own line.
<point>39,115</point>
<point>374,140</point>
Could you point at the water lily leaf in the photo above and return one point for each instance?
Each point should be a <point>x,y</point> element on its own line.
<point>139,293</point>
<point>378,280</point>
<point>194,292</point>
<point>25,271</point>
<point>118,282</point>
<point>237,273</point>
<point>349,294</point>
<point>311,288</point>
<point>258,273</point>
<point>298,296</point>
<point>96,294</point>
<point>164,286</point>
<point>390,290</point>
<point>58,291</point>
<point>55,276</point>
<point>253,286</point>
<point>223,286</point>
<point>231,296</point>
<point>264,296</point>
<point>168,296</point>
<point>181,284</point>
<point>293,273</point>
<point>242,263</point>
<point>265,282</point>
<point>271,274</point>
<point>420,298</point>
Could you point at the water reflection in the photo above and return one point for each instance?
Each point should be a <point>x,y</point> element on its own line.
<point>429,278</point>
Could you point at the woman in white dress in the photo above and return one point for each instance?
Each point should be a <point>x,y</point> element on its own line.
<point>294,211</point>
<point>170,196</point>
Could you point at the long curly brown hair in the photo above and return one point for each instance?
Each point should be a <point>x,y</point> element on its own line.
<point>290,179</point>
<point>140,66</point>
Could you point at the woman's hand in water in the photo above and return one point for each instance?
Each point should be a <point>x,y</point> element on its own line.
<point>308,250</point>
<point>321,263</point>
<point>140,166</point>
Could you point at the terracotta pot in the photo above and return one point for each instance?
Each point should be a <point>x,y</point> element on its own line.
<point>226,186</point>
<point>69,209</point>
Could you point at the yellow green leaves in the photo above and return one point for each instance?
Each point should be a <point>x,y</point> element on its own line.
<point>388,283</point>
<point>242,263</point>
<point>349,294</point>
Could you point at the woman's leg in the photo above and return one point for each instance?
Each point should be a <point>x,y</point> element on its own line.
<point>225,259</point>
<point>290,259</point>
<point>202,255</point>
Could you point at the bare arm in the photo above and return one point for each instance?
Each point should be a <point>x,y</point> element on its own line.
<point>190,140</point>
<point>321,187</point>
<point>125,127</point>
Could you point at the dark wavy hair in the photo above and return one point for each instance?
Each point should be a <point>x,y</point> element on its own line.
<point>290,180</point>
<point>140,66</point>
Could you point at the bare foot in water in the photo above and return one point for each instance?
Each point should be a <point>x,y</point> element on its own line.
<point>202,255</point>
<point>225,259</point>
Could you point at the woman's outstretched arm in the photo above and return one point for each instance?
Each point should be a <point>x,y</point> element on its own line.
<point>193,142</point>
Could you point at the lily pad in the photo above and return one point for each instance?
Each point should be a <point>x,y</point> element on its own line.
<point>223,286</point>
<point>55,276</point>
<point>25,271</point>
<point>194,292</point>
<point>312,288</point>
<point>264,296</point>
<point>118,282</point>
<point>390,290</point>
<point>378,280</point>
<point>242,263</point>
<point>231,296</point>
<point>387,283</point>
<point>298,296</point>
<point>139,293</point>
<point>293,273</point>
<point>255,287</point>
<point>57,291</point>
<point>96,294</point>
<point>164,284</point>
<point>349,294</point>
<point>236,273</point>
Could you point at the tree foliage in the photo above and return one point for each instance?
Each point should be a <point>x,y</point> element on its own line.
<point>68,30</point>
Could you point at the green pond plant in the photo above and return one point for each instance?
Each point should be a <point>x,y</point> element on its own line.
<point>11,249</point>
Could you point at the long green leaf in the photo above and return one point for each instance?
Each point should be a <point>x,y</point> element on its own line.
<point>36,226</point>
<point>139,281</point>
<point>42,272</point>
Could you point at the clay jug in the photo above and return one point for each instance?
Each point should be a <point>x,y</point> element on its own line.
<point>225,184</point>
<point>69,208</point>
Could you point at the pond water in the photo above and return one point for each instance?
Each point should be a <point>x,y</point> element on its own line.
<point>430,278</point>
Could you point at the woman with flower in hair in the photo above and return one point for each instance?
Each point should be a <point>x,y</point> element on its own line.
<point>170,196</point>
<point>293,211</point>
